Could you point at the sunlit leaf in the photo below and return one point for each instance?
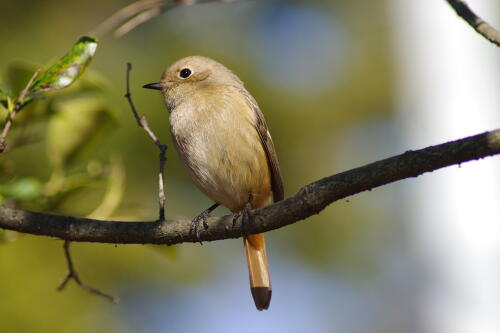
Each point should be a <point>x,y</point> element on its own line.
<point>74,124</point>
<point>65,71</point>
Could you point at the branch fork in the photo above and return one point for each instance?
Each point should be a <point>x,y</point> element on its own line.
<point>73,275</point>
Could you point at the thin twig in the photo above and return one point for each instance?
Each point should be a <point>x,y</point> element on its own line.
<point>122,15</point>
<point>12,114</point>
<point>160,8</point>
<point>138,20</point>
<point>133,15</point>
<point>143,123</point>
<point>481,26</point>
<point>72,274</point>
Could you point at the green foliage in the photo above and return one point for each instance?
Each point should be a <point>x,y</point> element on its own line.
<point>69,122</point>
<point>67,69</point>
<point>73,125</point>
<point>23,189</point>
<point>61,74</point>
<point>64,124</point>
<point>114,189</point>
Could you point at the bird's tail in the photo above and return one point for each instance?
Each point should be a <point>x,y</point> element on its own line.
<point>260,283</point>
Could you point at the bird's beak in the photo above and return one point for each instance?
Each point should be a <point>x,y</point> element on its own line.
<point>156,85</point>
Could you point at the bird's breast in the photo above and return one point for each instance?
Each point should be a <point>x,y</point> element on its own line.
<point>216,139</point>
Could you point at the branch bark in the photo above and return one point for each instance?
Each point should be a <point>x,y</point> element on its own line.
<point>310,200</point>
<point>481,26</point>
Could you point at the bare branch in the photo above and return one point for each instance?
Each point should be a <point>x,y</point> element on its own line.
<point>311,199</point>
<point>73,275</point>
<point>482,27</point>
<point>122,15</point>
<point>138,20</point>
<point>143,123</point>
<point>13,113</point>
<point>133,15</point>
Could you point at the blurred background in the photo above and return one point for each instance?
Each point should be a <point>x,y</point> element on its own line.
<point>342,84</point>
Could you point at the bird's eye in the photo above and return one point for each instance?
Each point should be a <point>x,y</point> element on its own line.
<point>184,73</point>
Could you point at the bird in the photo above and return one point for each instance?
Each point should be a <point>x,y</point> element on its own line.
<point>224,144</point>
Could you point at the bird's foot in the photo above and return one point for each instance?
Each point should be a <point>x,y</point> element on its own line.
<point>195,223</point>
<point>245,216</point>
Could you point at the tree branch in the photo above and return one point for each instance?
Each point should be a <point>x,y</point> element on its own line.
<point>482,27</point>
<point>310,200</point>
<point>141,11</point>
<point>73,275</point>
<point>143,123</point>
<point>12,114</point>
<point>124,14</point>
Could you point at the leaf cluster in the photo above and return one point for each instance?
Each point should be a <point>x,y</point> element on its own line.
<point>66,114</point>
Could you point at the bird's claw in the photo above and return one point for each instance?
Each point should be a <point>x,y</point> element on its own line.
<point>245,216</point>
<point>195,224</point>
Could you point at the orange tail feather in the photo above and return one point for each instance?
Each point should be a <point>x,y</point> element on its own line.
<point>260,282</point>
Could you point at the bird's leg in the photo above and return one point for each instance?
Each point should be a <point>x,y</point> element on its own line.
<point>246,216</point>
<point>244,213</point>
<point>195,224</point>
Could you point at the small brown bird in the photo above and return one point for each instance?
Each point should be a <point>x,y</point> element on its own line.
<point>222,139</point>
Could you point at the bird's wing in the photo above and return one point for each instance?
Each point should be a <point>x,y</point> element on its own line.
<point>267,143</point>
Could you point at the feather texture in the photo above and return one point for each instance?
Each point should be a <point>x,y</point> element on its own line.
<point>223,142</point>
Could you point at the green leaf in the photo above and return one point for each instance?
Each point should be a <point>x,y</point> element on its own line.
<point>65,71</point>
<point>74,125</point>
<point>10,104</point>
<point>7,103</point>
<point>24,189</point>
